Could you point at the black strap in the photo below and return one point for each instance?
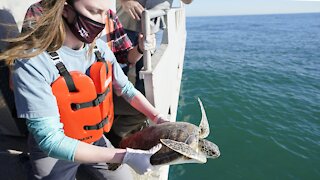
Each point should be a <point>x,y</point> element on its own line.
<point>97,126</point>
<point>99,57</point>
<point>63,71</point>
<point>100,98</point>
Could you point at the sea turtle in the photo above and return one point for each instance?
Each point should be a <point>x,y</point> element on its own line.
<point>182,142</point>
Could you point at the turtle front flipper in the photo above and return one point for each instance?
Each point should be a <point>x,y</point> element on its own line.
<point>204,125</point>
<point>185,150</point>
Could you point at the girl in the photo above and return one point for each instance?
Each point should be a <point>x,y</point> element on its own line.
<point>64,41</point>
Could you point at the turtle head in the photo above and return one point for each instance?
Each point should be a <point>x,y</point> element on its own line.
<point>208,148</point>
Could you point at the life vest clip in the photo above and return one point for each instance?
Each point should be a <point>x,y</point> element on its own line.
<point>97,126</point>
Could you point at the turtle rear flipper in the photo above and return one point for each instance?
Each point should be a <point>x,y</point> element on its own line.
<point>185,150</point>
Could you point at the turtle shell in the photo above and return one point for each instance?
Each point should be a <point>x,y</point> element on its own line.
<point>150,136</point>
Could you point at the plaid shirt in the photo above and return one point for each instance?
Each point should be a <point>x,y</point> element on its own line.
<point>117,39</point>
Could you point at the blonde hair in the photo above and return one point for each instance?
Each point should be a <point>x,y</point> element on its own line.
<point>48,34</point>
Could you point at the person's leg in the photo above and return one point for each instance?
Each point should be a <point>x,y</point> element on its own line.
<point>133,36</point>
<point>99,171</point>
<point>139,85</point>
<point>127,118</point>
<point>128,124</point>
<point>47,168</point>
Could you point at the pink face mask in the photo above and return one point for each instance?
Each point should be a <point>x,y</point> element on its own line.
<point>84,28</point>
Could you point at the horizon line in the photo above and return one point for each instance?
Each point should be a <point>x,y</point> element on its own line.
<point>317,12</point>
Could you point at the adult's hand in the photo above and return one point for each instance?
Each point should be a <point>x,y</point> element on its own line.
<point>160,118</point>
<point>133,8</point>
<point>149,44</point>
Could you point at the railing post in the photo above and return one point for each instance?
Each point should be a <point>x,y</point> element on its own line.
<point>146,33</point>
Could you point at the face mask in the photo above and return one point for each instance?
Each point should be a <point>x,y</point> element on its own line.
<point>84,28</point>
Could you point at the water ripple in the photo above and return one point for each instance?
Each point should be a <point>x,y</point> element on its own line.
<point>288,149</point>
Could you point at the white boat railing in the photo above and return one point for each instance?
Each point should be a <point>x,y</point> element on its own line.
<point>162,71</point>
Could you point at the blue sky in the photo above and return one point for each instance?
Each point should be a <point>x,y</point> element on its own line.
<point>245,7</point>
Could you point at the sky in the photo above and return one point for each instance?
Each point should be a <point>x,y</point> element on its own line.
<point>248,7</point>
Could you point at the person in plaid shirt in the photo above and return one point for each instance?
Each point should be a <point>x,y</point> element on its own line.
<point>128,119</point>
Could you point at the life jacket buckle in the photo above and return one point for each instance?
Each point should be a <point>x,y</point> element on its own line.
<point>75,106</point>
<point>96,102</point>
<point>97,126</point>
<point>54,55</point>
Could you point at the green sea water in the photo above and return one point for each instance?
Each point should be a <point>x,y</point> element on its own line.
<point>259,80</point>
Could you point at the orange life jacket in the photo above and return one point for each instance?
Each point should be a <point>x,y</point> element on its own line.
<point>85,102</point>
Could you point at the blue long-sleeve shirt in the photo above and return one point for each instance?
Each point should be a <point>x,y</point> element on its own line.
<point>35,101</point>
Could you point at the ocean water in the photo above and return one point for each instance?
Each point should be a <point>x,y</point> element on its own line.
<point>259,80</point>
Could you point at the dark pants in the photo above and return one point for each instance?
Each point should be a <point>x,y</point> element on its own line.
<point>127,119</point>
